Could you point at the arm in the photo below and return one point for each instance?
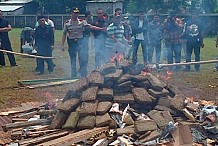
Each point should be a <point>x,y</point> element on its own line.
<point>95,27</point>
<point>64,35</point>
<point>6,29</point>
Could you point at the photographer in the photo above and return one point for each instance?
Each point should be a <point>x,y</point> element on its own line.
<point>172,32</point>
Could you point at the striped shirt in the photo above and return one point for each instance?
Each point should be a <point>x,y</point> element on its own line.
<point>74,30</point>
<point>117,31</point>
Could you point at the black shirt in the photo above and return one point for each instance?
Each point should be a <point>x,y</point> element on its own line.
<point>4,35</point>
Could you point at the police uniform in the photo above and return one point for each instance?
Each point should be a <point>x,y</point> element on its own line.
<point>74,31</point>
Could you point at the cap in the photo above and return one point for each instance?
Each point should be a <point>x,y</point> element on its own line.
<point>75,10</point>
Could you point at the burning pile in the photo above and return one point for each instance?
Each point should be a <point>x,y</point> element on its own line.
<point>119,104</point>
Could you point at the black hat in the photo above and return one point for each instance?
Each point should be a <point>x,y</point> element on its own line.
<point>75,10</point>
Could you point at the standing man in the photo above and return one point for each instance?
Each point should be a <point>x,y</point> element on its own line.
<point>116,41</point>
<point>44,43</point>
<point>140,32</point>
<point>172,40</point>
<point>155,35</point>
<point>5,27</point>
<point>73,30</point>
<point>99,38</point>
<point>195,39</point>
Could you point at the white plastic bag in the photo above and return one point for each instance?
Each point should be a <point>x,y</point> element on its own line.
<point>27,48</point>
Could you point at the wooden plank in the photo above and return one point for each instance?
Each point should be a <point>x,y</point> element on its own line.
<point>23,54</point>
<point>51,84</point>
<point>43,138</point>
<point>74,137</point>
<point>40,81</point>
<point>25,124</point>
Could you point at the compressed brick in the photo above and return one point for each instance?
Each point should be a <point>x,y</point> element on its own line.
<point>126,130</point>
<point>124,98</point>
<point>87,122</point>
<point>144,84</point>
<point>69,105</point>
<point>164,108</point>
<point>162,118</point>
<point>157,84</point>
<point>103,120</point>
<point>80,84</point>
<point>108,68</point>
<point>89,94</point>
<point>59,120</point>
<point>141,95</point>
<point>71,94</point>
<point>157,94</point>
<point>103,107</point>
<point>71,121</point>
<point>164,101</point>
<point>178,103</point>
<point>143,126</point>
<point>105,94</point>
<point>123,88</point>
<point>96,78</point>
<point>152,136</point>
<point>114,76</point>
<point>87,108</point>
<point>125,78</point>
<point>139,78</point>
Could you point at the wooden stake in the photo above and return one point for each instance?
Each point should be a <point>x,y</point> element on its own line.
<point>28,55</point>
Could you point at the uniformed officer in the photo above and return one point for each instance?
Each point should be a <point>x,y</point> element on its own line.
<point>73,30</point>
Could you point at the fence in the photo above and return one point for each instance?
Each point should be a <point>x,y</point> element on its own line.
<point>210,21</point>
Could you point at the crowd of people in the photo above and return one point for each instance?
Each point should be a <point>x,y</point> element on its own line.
<point>115,36</point>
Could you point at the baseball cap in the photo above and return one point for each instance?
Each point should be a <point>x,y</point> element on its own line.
<point>75,10</point>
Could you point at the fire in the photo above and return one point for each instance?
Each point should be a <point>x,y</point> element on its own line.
<point>166,76</point>
<point>117,57</point>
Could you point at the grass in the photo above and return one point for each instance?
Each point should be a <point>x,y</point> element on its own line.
<point>190,83</point>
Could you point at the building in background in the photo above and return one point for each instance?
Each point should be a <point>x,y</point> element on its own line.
<point>17,7</point>
<point>108,6</point>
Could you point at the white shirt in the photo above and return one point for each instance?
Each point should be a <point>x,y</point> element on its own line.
<point>140,36</point>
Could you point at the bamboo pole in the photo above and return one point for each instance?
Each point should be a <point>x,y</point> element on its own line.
<point>186,63</point>
<point>28,55</point>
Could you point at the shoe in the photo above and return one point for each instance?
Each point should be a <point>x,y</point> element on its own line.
<point>15,65</point>
<point>197,69</point>
<point>215,69</point>
<point>186,69</point>
<point>39,73</point>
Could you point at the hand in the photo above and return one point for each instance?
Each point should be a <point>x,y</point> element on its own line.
<point>202,45</point>
<point>52,47</point>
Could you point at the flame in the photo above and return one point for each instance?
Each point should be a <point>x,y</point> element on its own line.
<point>166,76</point>
<point>118,57</point>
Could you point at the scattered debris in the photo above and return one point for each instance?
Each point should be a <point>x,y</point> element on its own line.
<point>116,105</point>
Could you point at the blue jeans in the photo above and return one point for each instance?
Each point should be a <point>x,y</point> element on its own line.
<point>99,45</point>
<point>47,52</point>
<point>176,50</point>
<point>189,49</point>
<point>135,51</point>
<point>157,47</point>
<point>75,46</point>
